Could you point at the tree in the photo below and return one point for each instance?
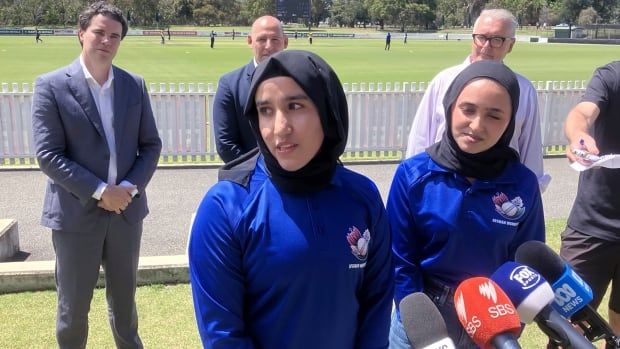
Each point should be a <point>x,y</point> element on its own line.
<point>607,10</point>
<point>184,11</point>
<point>385,11</point>
<point>459,12</point>
<point>448,13</point>
<point>253,9</point>
<point>318,11</point>
<point>348,12</point>
<point>550,15</point>
<point>341,14</point>
<point>571,8</point>
<point>144,12</point>
<point>527,12</point>
<point>588,16</point>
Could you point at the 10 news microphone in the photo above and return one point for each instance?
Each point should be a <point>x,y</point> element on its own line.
<point>492,309</point>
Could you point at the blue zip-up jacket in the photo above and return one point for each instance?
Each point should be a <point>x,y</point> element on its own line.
<point>448,229</point>
<point>274,270</point>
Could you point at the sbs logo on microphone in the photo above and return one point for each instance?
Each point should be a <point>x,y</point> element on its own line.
<point>470,325</point>
<point>525,276</point>
<point>487,289</point>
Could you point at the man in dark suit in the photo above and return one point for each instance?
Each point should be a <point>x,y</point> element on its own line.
<point>233,136</point>
<point>96,140</point>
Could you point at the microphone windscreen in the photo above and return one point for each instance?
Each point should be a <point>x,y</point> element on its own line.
<point>542,258</point>
<point>485,311</point>
<point>422,321</point>
<point>525,287</point>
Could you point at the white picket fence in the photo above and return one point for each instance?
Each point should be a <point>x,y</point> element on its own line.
<point>380,118</point>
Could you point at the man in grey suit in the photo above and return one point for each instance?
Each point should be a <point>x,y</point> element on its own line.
<point>96,140</point>
<point>233,136</point>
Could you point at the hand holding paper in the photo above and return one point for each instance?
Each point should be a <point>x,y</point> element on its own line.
<point>608,161</point>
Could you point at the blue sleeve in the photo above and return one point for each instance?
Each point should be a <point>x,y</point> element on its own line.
<point>533,226</point>
<point>378,286</point>
<point>227,132</point>
<point>216,275</point>
<point>405,248</point>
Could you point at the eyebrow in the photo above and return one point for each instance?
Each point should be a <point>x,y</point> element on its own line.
<point>288,99</point>
<point>488,109</point>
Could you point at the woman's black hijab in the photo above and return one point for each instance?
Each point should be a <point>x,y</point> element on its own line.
<point>321,84</point>
<point>491,162</point>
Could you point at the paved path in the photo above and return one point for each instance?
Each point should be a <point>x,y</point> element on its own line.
<point>175,193</point>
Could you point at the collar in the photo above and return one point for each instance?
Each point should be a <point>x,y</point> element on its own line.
<point>241,170</point>
<point>90,78</point>
<point>468,61</point>
<point>507,176</point>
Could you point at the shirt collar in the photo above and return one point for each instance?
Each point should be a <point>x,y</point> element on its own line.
<point>506,177</point>
<point>335,180</point>
<point>90,78</point>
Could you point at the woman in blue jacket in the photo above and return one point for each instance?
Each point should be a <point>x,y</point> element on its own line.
<point>290,249</point>
<point>462,208</point>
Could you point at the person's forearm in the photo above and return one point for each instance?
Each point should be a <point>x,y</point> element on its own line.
<point>580,119</point>
<point>576,125</point>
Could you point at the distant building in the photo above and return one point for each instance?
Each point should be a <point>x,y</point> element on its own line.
<point>293,11</point>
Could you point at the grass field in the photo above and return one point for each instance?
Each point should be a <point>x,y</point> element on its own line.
<point>166,315</point>
<point>355,60</point>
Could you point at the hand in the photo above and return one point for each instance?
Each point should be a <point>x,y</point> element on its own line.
<point>115,198</point>
<point>584,143</point>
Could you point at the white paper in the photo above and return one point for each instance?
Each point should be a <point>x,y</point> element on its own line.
<point>608,161</point>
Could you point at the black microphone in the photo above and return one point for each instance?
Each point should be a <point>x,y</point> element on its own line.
<point>532,294</point>
<point>572,294</point>
<point>423,323</point>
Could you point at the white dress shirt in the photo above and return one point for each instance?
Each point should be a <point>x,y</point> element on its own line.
<point>430,122</point>
<point>104,99</point>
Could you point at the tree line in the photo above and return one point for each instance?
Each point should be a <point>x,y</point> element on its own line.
<point>404,14</point>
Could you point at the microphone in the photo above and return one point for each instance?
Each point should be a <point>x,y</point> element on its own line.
<point>532,294</point>
<point>487,314</point>
<point>572,294</point>
<point>423,323</point>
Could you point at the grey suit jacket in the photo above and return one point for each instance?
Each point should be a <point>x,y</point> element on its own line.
<point>72,149</point>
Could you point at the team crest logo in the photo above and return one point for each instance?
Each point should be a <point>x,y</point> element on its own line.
<point>509,209</point>
<point>359,242</point>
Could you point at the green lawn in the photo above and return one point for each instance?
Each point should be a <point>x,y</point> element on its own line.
<point>166,316</point>
<point>355,60</point>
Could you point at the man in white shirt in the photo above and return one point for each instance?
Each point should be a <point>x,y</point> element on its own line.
<point>96,140</point>
<point>493,38</point>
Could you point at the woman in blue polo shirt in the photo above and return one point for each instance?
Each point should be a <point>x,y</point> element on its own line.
<point>462,208</point>
<point>290,249</point>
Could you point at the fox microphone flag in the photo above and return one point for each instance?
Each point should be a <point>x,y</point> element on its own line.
<point>572,294</point>
<point>532,295</point>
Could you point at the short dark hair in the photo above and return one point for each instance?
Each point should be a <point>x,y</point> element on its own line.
<point>105,9</point>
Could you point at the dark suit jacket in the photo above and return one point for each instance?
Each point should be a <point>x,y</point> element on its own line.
<point>72,149</point>
<point>233,135</point>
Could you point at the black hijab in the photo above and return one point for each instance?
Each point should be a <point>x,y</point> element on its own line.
<point>491,162</point>
<point>320,83</point>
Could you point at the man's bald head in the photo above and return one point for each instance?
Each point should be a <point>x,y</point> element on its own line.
<point>267,37</point>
